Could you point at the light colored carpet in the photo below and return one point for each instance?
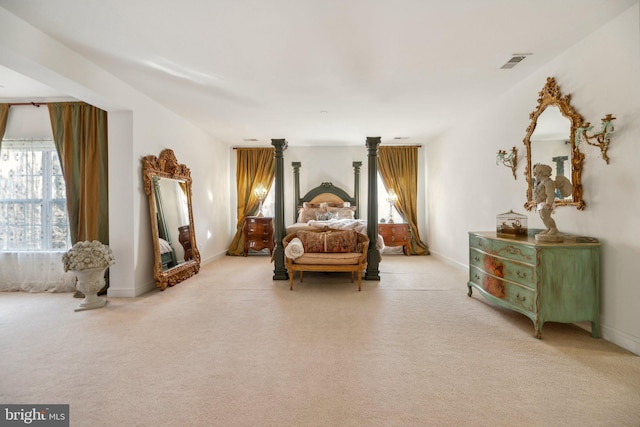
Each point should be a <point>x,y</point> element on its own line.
<point>231,347</point>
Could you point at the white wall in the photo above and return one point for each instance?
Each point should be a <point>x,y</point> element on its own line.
<point>138,126</point>
<point>467,189</point>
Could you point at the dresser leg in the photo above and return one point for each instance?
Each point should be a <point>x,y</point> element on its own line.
<point>470,291</point>
<point>538,326</point>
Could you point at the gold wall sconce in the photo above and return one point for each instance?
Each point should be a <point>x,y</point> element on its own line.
<point>601,138</point>
<point>508,159</point>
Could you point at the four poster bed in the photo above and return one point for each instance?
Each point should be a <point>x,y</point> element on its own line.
<point>329,206</point>
<point>327,233</point>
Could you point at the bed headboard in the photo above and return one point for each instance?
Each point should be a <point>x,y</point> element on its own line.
<point>326,192</point>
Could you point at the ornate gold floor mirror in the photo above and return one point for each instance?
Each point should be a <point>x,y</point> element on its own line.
<point>168,186</point>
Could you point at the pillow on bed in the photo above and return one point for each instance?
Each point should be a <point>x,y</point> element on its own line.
<point>311,205</point>
<point>323,205</point>
<point>334,204</point>
<point>343,213</point>
<point>308,214</point>
<point>343,241</point>
<point>326,216</point>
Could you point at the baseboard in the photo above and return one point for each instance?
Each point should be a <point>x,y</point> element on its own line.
<point>131,292</point>
<point>150,286</point>
<point>449,261</point>
<point>210,259</point>
<point>621,339</point>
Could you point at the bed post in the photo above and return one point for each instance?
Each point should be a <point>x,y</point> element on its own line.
<point>356,186</point>
<point>373,253</point>
<point>296,189</point>
<point>279,272</point>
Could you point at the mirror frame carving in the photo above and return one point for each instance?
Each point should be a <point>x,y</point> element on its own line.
<point>167,166</point>
<point>550,95</point>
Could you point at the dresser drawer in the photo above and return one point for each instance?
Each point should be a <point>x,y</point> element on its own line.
<point>394,232</point>
<point>504,268</point>
<point>515,251</point>
<point>259,242</point>
<point>480,243</point>
<point>259,231</point>
<point>259,222</point>
<point>259,225</point>
<point>511,293</point>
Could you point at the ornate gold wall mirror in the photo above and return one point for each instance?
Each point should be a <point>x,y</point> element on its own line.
<point>551,140</point>
<point>168,186</point>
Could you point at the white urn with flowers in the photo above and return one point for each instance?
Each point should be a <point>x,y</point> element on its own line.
<point>89,261</point>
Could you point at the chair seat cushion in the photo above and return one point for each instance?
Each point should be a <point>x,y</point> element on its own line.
<point>327,258</point>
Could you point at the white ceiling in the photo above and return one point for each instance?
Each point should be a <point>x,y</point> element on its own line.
<point>316,72</point>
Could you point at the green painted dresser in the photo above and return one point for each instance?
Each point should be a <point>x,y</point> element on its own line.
<point>547,282</point>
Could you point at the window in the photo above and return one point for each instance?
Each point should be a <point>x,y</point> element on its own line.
<point>386,209</point>
<point>269,203</point>
<point>33,205</point>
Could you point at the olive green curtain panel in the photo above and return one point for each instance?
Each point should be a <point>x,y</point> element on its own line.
<point>254,167</point>
<point>4,114</point>
<point>80,136</point>
<point>398,167</point>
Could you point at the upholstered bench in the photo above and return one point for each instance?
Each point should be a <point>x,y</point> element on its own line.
<point>326,250</point>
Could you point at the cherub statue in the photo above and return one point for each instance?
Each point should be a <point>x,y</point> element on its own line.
<point>544,196</point>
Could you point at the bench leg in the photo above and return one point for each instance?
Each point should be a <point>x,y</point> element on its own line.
<point>352,277</point>
<point>291,273</point>
<point>359,280</point>
<point>301,273</point>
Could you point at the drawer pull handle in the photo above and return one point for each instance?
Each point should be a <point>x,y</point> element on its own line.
<point>476,276</point>
<point>521,299</point>
<point>477,258</point>
<point>521,275</point>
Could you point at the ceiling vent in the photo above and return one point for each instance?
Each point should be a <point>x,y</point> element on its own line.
<point>515,60</point>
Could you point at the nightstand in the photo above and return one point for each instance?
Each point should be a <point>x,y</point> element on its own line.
<point>395,235</point>
<point>258,234</point>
